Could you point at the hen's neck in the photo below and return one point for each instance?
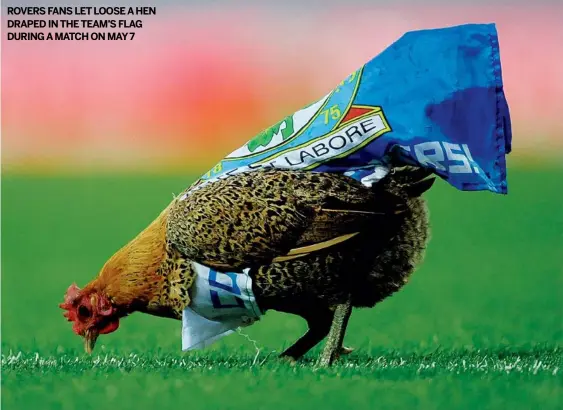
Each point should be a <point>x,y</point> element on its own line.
<point>134,274</point>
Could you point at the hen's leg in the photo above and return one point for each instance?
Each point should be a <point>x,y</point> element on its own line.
<point>335,339</point>
<point>319,321</point>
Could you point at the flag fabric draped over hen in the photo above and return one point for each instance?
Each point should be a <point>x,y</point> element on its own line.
<point>323,211</point>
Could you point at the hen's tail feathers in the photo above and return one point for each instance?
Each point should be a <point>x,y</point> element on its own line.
<point>406,180</point>
<point>408,174</point>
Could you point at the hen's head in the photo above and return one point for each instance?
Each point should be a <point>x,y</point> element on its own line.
<point>91,312</point>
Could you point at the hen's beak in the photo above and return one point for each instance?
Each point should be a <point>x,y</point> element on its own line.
<point>90,337</point>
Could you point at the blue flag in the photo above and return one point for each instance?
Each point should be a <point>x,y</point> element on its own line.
<point>434,98</point>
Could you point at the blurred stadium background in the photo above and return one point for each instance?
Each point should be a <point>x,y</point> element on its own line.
<point>202,77</point>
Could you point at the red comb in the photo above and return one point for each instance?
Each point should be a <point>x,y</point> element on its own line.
<point>71,295</point>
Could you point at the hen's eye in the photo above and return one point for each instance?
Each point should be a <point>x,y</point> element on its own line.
<point>83,312</point>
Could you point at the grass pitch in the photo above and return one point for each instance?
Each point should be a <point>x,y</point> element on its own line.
<point>479,326</point>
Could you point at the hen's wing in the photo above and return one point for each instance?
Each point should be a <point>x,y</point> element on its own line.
<point>259,217</point>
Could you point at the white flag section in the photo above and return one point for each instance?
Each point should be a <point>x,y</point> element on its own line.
<point>220,303</point>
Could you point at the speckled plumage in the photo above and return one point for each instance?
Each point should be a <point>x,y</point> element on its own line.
<point>248,220</point>
<point>171,297</point>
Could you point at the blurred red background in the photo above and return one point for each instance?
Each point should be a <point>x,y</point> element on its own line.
<point>195,83</point>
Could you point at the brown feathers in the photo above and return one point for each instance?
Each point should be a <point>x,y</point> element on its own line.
<point>130,276</point>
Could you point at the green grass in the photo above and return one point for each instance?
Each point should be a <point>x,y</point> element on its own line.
<point>479,326</point>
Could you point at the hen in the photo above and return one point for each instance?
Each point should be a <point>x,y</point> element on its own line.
<point>314,244</point>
